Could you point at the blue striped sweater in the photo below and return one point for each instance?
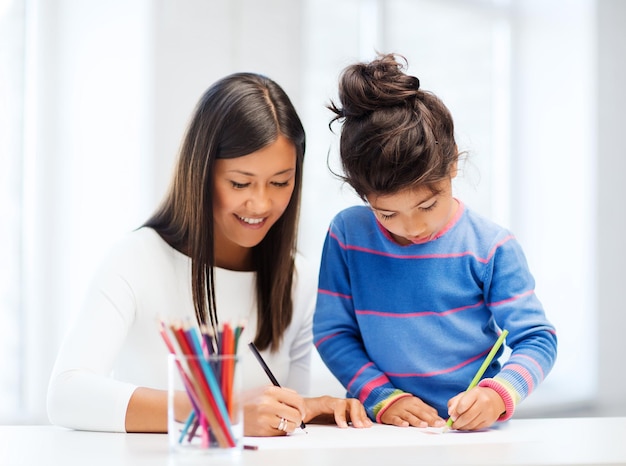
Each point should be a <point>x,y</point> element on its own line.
<point>421,318</point>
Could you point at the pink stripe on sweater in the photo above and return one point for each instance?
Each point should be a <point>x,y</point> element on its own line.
<point>323,339</point>
<point>419,314</point>
<point>333,293</point>
<point>371,385</point>
<point>523,372</point>
<point>513,298</point>
<point>359,372</point>
<point>532,361</point>
<point>422,256</point>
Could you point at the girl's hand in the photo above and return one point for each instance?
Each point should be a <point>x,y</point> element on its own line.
<point>411,411</point>
<point>475,409</point>
<point>272,411</point>
<point>340,411</point>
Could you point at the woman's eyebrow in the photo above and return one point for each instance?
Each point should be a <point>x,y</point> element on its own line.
<point>243,172</point>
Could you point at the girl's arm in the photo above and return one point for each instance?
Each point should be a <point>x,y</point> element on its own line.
<point>337,338</point>
<point>510,294</point>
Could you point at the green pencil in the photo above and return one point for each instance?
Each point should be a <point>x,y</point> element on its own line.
<point>483,367</point>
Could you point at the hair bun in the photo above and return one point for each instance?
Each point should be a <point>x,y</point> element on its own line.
<point>364,87</point>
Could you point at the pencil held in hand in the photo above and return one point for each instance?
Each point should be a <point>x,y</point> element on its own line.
<point>483,368</point>
<point>267,370</point>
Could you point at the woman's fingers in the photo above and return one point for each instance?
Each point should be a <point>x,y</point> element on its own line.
<point>357,414</point>
<point>272,411</point>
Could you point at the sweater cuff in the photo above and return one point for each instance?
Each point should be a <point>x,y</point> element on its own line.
<point>509,404</point>
<point>381,407</point>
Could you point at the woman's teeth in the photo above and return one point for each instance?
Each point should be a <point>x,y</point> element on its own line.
<point>251,221</point>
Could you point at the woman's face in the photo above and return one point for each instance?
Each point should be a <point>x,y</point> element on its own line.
<point>251,193</point>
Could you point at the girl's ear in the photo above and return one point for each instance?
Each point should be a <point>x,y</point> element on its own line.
<point>454,168</point>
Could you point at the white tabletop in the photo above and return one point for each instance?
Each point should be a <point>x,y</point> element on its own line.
<point>575,441</point>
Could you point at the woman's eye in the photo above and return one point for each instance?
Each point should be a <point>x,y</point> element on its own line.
<point>385,216</point>
<point>239,185</point>
<point>281,184</point>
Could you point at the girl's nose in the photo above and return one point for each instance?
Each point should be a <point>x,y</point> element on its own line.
<point>414,230</point>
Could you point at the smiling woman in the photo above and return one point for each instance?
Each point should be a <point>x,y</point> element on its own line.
<point>219,249</point>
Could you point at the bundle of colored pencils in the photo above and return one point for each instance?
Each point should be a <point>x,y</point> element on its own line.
<point>206,364</point>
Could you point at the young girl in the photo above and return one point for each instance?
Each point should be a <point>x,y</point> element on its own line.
<point>220,248</point>
<point>415,288</point>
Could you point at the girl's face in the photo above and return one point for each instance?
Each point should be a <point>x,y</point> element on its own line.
<point>415,215</point>
<point>251,193</point>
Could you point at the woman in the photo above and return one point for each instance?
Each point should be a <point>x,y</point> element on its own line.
<point>222,247</point>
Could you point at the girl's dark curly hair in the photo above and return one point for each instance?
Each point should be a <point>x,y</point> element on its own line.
<point>394,135</point>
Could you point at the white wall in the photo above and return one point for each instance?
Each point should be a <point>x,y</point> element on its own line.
<point>611,213</point>
<point>553,184</point>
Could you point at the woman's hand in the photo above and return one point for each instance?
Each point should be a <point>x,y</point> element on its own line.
<point>411,411</point>
<point>340,411</point>
<point>475,409</point>
<point>272,411</point>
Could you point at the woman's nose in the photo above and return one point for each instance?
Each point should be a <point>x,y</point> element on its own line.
<point>259,202</point>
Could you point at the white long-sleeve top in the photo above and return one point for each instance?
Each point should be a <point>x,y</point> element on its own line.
<point>114,345</point>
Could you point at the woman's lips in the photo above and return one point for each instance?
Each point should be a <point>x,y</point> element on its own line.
<point>252,222</point>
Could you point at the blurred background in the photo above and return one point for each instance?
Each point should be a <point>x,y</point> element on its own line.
<point>95,96</point>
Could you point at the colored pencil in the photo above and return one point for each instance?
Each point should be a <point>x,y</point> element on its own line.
<point>209,397</point>
<point>208,384</point>
<point>483,367</point>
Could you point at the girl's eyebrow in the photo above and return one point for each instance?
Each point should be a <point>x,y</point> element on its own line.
<point>428,199</point>
<point>419,203</point>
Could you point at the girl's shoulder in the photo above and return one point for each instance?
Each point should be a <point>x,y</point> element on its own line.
<point>482,225</point>
<point>480,232</point>
<point>353,216</point>
<point>354,212</point>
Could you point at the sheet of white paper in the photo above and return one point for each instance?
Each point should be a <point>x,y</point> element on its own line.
<point>379,435</point>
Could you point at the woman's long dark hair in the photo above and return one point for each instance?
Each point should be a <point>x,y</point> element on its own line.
<point>238,115</point>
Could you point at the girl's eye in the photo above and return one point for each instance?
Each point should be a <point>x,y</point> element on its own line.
<point>239,185</point>
<point>385,216</point>
<point>280,184</point>
<point>430,207</point>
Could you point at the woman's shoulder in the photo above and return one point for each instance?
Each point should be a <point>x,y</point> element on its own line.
<point>141,248</point>
<point>140,241</point>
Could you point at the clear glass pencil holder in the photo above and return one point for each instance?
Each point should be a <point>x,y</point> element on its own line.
<point>205,413</point>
